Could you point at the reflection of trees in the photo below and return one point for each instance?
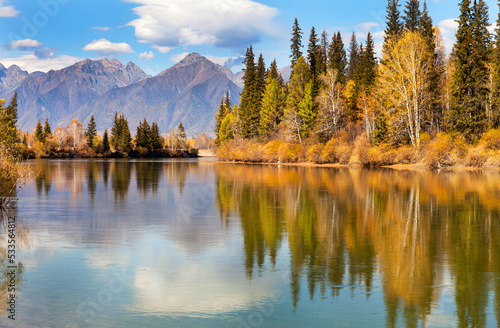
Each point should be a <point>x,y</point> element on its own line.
<point>121,173</point>
<point>148,176</point>
<point>344,225</point>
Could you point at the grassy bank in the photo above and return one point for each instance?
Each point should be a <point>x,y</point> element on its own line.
<point>439,151</point>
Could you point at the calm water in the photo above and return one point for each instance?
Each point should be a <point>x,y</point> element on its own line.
<point>200,244</point>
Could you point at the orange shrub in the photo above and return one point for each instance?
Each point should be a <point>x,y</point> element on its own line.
<point>314,153</point>
<point>491,139</point>
<point>406,155</point>
<point>438,151</point>
<point>290,153</point>
<point>271,150</point>
<point>476,157</point>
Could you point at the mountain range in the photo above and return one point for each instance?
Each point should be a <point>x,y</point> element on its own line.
<point>189,91</point>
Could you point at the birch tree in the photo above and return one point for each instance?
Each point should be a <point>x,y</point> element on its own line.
<point>404,85</point>
<point>331,104</point>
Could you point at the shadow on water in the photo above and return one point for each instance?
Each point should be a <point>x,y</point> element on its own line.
<point>345,226</point>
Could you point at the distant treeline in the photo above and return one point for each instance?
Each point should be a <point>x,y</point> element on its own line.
<point>412,98</point>
<point>77,141</point>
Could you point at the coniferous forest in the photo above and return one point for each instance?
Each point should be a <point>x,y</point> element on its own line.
<point>342,104</point>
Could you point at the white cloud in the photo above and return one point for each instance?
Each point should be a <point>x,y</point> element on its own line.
<point>8,11</point>
<point>448,28</point>
<point>105,47</point>
<point>224,23</point>
<point>24,45</point>
<point>367,26</point>
<point>32,63</point>
<point>147,55</point>
<point>163,50</point>
<point>101,28</point>
<point>178,57</point>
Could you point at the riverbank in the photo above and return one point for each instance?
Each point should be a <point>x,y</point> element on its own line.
<point>70,154</point>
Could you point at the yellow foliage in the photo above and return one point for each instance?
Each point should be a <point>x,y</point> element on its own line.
<point>290,153</point>
<point>491,139</point>
<point>438,151</point>
<point>314,153</point>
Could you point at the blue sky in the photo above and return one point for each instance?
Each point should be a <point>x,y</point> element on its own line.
<point>155,34</point>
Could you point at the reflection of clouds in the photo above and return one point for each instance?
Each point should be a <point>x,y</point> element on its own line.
<point>196,289</point>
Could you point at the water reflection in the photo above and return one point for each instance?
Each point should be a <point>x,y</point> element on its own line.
<point>205,239</point>
<point>343,226</point>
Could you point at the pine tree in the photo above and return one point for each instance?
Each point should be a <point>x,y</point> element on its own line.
<point>495,91</point>
<point>260,82</point>
<point>181,135</point>
<point>116,131</point>
<point>40,136</point>
<point>143,134</point>
<point>155,139</point>
<point>125,143</point>
<point>46,129</point>
<point>307,109</point>
<point>8,121</point>
<point>353,57</point>
<point>337,57</point>
<point>249,109</point>
<point>365,72</point>
<point>325,44</point>
<point>296,90</point>
<point>219,117</point>
<point>312,51</point>
<point>469,95</point>
<point>227,102</point>
<point>296,45</point>
<point>105,141</point>
<point>433,115</point>
<point>91,132</point>
<point>394,26</point>
<point>412,18</point>
<point>273,72</point>
<point>272,108</point>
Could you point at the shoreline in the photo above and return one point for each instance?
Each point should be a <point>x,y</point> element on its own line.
<point>397,167</point>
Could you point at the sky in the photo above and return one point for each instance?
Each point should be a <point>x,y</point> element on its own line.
<point>40,35</point>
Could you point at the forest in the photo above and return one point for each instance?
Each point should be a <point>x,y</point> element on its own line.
<point>414,105</point>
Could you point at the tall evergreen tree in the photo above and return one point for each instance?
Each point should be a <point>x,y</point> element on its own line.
<point>249,110</point>
<point>8,121</point>
<point>337,57</point>
<point>296,89</point>
<point>312,51</point>
<point>469,95</point>
<point>495,91</point>
<point>155,139</point>
<point>40,136</point>
<point>91,132</point>
<point>272,107</point>
<point>413,14</point>
<point>325,44</point>
<point>219,117</point>
<point>307,109</point>
<point>116,131</point>
<point>260,82</point>
<point>46,129</point>
<point>125,143</point>
<point>227,101</point>
<point>394,26</point>
<point>365,72</point>
<point>353,57</point>
<point>105,141</point>
<point>296,45</point>
<point>143,134</point>
<point>181,135</point>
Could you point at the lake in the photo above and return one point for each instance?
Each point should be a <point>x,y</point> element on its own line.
<point>196,243</point>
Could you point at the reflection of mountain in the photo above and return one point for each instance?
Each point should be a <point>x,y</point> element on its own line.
<point>344,226</point>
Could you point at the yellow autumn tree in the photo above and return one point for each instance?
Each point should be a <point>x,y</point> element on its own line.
<point>404,85</point>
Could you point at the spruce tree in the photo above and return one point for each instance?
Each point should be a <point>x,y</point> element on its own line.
<point>296,45</point>
<point>40,136</point>
<point>337,57</point>
<point>46,129</point>
<point>353,57</point>
<point>312,51</point>
<point>365,72</point>
<point>219,117</point>
<point>143,134</point>
<point>260,82</point>
<point>181,135</point>
<point>296,89</point>
<point>8,121</point>
<point>394,26</point>
<point>105,141</point>
<point>125,143</point>
<point>155,139</point>
<point>91,132</point>
<point>273,72</point>
<point>227,102</point>
<point>307,109</point>
<point>324,46</point>
<point>272,108</point>
<point>469,95</point>
<point>412,18</point>
<point>116,131</point>
<point>250,100</point>
<point>495,91</point>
